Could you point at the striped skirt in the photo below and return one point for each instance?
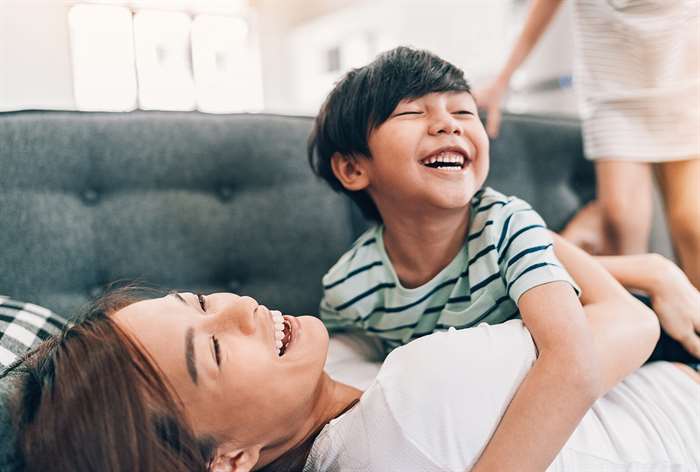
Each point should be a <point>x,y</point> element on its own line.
<point>637,74</point>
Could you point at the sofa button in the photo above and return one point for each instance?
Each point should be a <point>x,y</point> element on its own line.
<point>95,292</point>
<point>234,285</point>
<point>90,196</point>
<point>225,193</point>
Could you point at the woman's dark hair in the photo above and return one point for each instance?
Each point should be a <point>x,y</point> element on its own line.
<point>364,98</point>
<point>91,399</point>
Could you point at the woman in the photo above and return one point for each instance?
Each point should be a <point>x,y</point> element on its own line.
<point>637,74</point>
<point>190,382</point>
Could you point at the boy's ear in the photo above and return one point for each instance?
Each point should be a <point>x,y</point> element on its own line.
<point>350,171</point>
<point>230,459</point>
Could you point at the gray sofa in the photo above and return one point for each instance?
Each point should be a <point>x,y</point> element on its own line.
<point>205,202</point>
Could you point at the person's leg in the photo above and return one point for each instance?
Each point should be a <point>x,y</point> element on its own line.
<point>680,186</point>
<point>619,220</point>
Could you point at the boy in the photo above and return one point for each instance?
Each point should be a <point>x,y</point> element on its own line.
<point>403,139</point>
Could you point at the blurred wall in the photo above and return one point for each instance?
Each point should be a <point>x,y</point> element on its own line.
<point>35,64</point>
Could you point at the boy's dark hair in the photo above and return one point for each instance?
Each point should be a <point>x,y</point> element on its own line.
<point>364,98</point>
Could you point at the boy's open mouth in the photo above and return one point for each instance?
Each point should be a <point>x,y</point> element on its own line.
<point>448,159</point>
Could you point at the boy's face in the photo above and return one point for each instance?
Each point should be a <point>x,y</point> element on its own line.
<point>431,153</point>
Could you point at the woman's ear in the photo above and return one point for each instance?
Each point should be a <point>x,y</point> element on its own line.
<point>350,171</point>
<point>235,460</point>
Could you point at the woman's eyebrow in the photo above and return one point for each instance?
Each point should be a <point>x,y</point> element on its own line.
<point>190,358</point>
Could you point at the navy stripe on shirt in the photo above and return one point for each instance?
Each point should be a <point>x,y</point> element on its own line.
<point>485,282</point>
<point>473,322</point>
<point>527,251</point>
<point>478,233</point>
<point>530,268</point>
<point>489,206</point>
<point>504,231</point>
<point>513,237</point>
<point>359,270</point>
<point>397,309</point>
<point>481,253</point>
<point>364,294</point>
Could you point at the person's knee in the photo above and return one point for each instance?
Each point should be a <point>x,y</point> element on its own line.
<point>684,228</point>
<point>625,216</point>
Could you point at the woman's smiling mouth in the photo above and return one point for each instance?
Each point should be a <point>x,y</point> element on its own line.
<point>283,332</point>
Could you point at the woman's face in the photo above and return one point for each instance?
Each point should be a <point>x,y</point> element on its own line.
<point>220,354</point>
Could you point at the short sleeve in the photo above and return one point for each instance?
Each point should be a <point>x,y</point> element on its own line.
<point>525,251</point>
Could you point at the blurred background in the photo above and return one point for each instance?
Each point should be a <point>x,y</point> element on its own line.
<point>279,56</point>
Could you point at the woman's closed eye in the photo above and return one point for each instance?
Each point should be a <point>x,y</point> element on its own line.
<point>215,348</point>
<point>202,301</point>
<point>412,112</point>
<point>463,112</point>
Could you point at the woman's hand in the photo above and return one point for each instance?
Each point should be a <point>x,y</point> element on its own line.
<point>677,304</point>
<point>490,99</point>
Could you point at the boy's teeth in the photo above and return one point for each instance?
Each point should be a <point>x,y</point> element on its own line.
<point>450,158</point>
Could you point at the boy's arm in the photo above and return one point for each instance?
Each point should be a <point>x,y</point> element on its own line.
<point>582,354</point>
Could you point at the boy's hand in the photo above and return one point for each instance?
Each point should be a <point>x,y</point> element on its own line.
<point>677,304</point>
<point>490,98</point>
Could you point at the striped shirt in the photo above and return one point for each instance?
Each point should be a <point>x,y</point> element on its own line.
<point>508,251</point>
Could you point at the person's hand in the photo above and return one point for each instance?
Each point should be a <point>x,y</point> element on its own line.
<point>677,303</point>
<point>490,99</point>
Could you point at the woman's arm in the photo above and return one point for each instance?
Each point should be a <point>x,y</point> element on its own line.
<point>583,352</point>
<point>538,18</point>
<point>674,298</point>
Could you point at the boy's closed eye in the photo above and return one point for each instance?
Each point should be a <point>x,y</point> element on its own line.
<point>410,112</point>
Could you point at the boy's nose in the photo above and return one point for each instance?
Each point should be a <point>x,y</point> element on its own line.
<point>445,125</point>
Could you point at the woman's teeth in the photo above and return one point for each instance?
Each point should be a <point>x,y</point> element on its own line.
<point>282,335</point>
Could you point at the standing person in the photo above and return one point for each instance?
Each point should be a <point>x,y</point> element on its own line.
<point>637,71</point>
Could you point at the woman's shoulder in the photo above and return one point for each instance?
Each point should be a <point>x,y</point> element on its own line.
<point>462,381</point>
<point>435,403</point>
<point>447,353</point>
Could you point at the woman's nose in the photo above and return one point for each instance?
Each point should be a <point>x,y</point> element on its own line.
<point>239,312</point>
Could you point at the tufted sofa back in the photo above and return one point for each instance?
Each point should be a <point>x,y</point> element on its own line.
<point>204,202</point>
<point>180,200</point>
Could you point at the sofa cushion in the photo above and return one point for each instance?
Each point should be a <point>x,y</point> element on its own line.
<point>22,327</point>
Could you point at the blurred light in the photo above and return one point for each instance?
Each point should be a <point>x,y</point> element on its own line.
<point>162,44</point>
<point>226,65</point>
<point>103,58</point>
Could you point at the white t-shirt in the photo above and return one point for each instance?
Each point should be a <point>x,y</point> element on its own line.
<point>436,402</point>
